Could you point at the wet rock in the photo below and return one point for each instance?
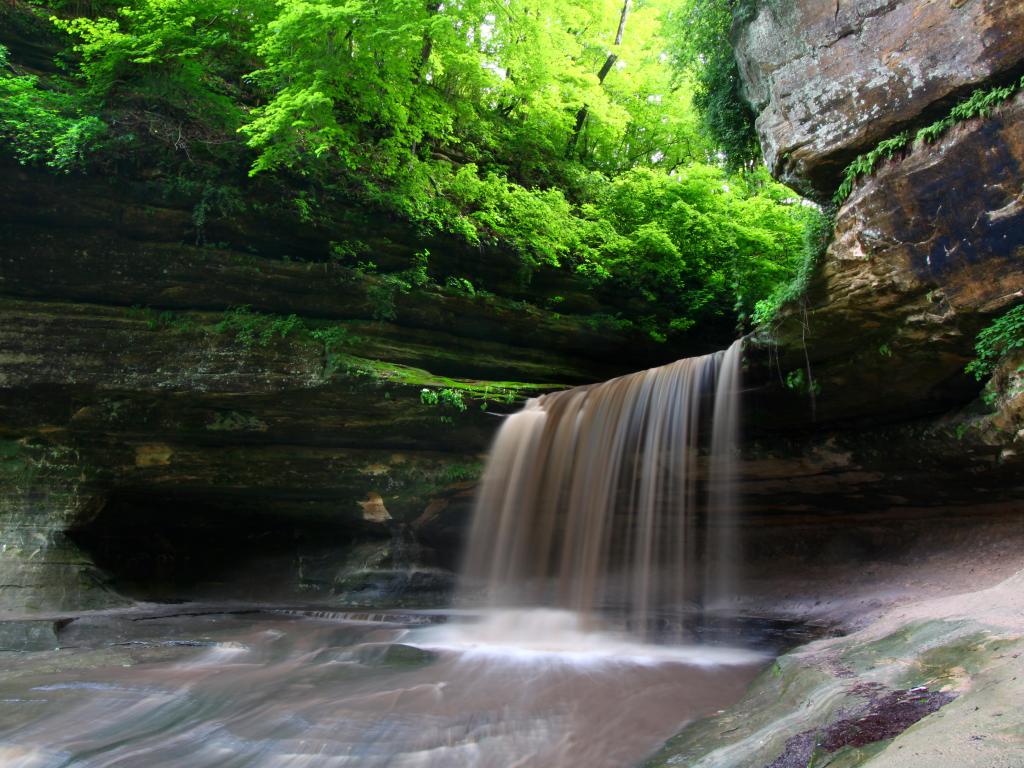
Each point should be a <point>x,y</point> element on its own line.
<point>139,443</point>
<point>886,715</point>
<point>31,634</point>
<point>926,683</point>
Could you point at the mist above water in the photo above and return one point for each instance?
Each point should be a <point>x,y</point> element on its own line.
<point>559,637</point>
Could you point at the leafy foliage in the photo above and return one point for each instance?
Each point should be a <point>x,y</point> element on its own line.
<point>1004,335</point>
<point>817,236</point>
<point>253,329</point>
<point>703,54</point>
<point>384,289</point>
<point>43,125</point>
<point>699,243</point>
<point>173,69</point>
<point>447,397</point>
<point>864,165</point>
<point>461,118</point>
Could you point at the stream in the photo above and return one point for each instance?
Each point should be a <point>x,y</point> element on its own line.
<point>213,686</point>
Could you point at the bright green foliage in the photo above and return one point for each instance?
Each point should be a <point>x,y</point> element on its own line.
<point>171,68</point>
<point>704,56</point>
<point>484,120</point>
<point>253,329</point>
<point>981,103</point>
<point>384,84</point>
<point>334,338</point>
<point>40,125</point>
<point>1004,335</point>
<point>817,236</point>
<point>540,224</point>
<point>447,397</point>
<point>698,242</point>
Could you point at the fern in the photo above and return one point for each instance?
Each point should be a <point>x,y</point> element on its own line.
<point>981,104</point>
<point>864,165</point>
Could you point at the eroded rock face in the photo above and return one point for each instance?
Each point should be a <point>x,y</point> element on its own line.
<point>866,373</point>
<point>829,80</point>
<point>948,218</point>
<point>129,453</point>
<point>926,252</point>
<point>141,442</point>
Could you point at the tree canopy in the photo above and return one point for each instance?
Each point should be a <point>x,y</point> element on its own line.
<point>583,134</point>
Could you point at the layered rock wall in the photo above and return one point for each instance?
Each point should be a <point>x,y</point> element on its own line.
<point>141,436</point>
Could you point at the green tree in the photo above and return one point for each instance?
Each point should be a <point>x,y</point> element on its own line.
<point>703,55</point>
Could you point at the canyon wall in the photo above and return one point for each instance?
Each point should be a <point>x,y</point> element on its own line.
<point>154,437</point>
<point>928,249</point>
<point>174,413</point>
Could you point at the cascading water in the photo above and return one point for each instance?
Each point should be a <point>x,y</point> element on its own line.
<point>598,498</point>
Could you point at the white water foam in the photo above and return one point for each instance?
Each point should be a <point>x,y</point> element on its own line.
<point>564,637</point>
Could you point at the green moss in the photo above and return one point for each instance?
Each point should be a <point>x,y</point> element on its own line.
<point>909,642</point>
<point>403,375</point>
<point>948,662</point>
<point>848,757</point>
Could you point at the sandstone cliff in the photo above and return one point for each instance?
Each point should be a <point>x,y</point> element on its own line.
<point>149,441</point>
<point>926,251</point>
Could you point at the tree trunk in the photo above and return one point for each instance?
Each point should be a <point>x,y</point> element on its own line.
<point>428,45</point>
<point>584,111</point>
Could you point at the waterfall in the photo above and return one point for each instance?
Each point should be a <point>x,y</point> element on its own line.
<point>614,496</point>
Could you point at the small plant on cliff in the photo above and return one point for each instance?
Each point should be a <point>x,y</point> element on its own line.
<point>384,292</point>
<point>335,338</point>
<point>165,320</point>
<point>254,329</point>
<point>800,381</point>
<point>1004,335</point>
<point>460,285</point>
<point>865,165</point>
<point>447,397</point>
<point>981,103</point>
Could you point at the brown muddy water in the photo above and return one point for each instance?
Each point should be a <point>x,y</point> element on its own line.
<point>280,688</point>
